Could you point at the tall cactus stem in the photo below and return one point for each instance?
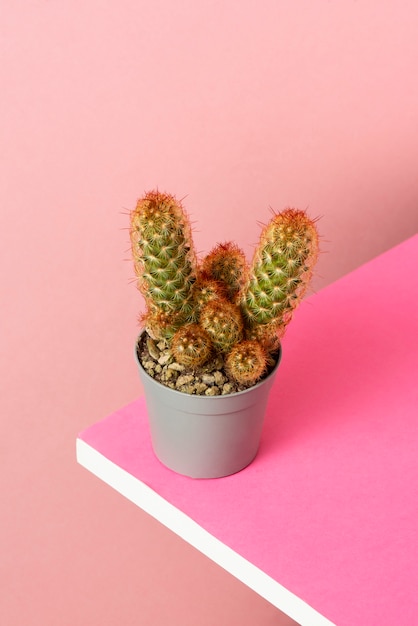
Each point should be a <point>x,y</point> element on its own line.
<point>281,270</point>
<point>162,249</point>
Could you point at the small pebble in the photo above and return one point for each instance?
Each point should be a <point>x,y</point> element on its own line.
<point>152,349</point>
<point>190,389</point>
<point>200,388</point>
<point>170,374</point>
<point>208,379</point>
<point>184,380</point>
<point>176,366</point>
<point>165,358</point>
<point>219,378</point>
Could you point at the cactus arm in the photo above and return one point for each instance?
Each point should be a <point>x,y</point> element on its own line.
<point>281,269</point>
<point>162,249</point>
<point>247,362</point>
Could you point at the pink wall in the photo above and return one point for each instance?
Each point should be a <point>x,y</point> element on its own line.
<point>238,105</point>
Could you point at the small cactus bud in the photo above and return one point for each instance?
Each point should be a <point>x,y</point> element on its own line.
<point>207,289</point>
<point>267,335</point>
<point>191,346</point>
<point>227,264</point>
<point>247,362</point>
<point>159,324</point>
<point>222,320</point>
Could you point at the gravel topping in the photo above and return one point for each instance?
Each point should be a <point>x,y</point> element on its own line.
<point>209,380</point>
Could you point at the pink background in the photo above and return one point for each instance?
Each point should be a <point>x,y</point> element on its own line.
<point>238,106</point>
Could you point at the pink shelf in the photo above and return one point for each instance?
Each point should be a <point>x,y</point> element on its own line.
<point>324,522</point>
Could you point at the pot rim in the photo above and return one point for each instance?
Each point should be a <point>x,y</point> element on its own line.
<point>207,398</point>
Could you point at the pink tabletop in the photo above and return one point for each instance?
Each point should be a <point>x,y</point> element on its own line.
<point>329,508</point>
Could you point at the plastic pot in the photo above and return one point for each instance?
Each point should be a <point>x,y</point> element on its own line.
<point>205,436</point>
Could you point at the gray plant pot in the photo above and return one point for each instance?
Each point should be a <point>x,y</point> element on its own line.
<point>205,436</point>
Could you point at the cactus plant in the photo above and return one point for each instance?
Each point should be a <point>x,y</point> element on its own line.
<point>220,307</point>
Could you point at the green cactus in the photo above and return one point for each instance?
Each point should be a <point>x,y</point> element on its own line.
<point>221,308</point>
<point>247,362</point>
<point>160,324</point>
<point>191,346</point>
<point>280,270</point>
<point>163,254</point>
<point>222,320</point>
<point>207,289</point>
<point>267,335</point>
<point>226,263</point>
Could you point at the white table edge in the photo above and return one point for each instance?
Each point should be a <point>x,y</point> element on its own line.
<point>178,522</point>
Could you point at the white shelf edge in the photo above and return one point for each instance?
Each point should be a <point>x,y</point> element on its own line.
<point>189,530</point>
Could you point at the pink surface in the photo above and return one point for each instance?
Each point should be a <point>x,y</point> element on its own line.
<point>329,507</point>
